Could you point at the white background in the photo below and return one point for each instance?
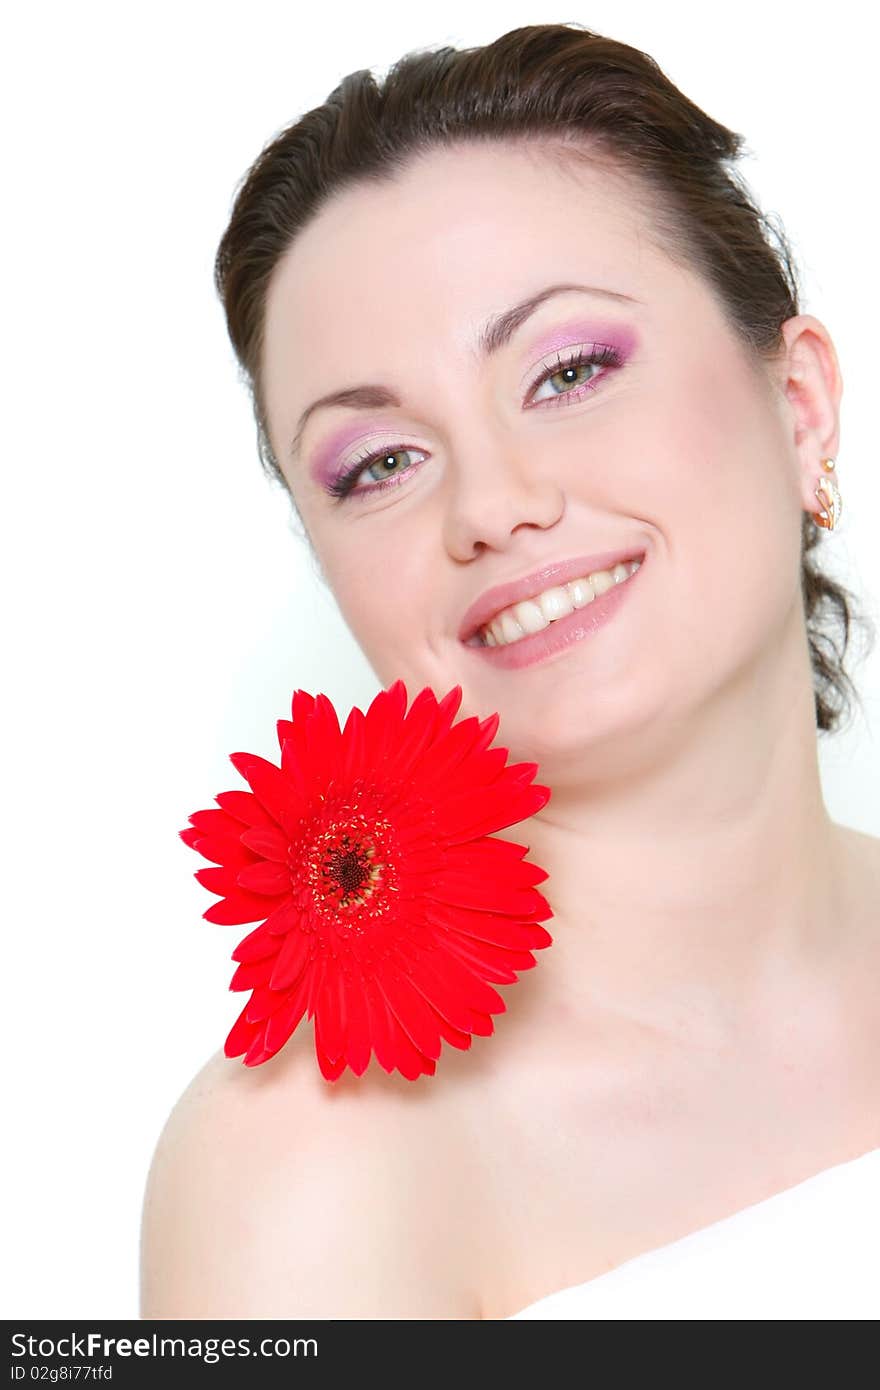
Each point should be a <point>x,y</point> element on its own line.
<point>159,608</point>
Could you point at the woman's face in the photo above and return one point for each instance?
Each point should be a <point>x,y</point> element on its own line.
<point>681,451</point>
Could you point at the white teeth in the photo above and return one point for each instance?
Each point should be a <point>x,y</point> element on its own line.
<point>534,614</point>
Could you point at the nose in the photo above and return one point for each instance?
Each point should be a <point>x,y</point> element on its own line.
<point>494,489</point>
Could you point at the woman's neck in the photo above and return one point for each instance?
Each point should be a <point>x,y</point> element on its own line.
<point>689,886</point>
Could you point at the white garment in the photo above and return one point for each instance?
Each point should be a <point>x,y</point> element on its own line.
<point>812,1251</point>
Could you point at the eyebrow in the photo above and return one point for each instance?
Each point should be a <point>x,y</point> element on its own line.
<point>495,333</point>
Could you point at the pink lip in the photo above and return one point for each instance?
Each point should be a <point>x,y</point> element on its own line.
<point>503,595</point>
<point>561,634</point>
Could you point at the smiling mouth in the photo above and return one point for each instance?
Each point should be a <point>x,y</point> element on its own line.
<point>536,614</point>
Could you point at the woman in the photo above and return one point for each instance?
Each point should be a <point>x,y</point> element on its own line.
<point>556,334</point>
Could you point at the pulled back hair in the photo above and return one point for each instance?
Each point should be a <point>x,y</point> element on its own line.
<point>582,97</point>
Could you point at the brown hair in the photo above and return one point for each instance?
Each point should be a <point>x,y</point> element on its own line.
<point>585,97</point>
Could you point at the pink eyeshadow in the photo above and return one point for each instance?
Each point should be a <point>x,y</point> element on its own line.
<point>605,334</point>
<point>325,462</point>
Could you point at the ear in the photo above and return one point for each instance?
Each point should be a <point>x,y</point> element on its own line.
<point>810,380</point>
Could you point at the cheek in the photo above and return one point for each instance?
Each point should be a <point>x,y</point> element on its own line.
<point>743,517</point>
<point>386,604</point>
<point>721,492</point>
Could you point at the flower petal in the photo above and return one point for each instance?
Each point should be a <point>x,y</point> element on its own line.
<point>453,1035</point>
<point>268,841</point>
<point>241,1035</point>
<point>292,958</point>
<point>323,743</point>
<point>301,706</point>
<point>446,1002</point>
<point>217,880</point>
<point>249,975</point>
<point>286,916</point>
<point>222,849</point>
<point>483,1025</point>
<point>464,890</point>
<point>257,1053</point>
<point>295,768</point>
<point>329,1027</point>
<point>357,1023</point>
<point>488,730</point>
<point>447,709</point>
<point>458,987</point>
<point>265,877</point>
<point>273,789</point>
<point>393,1048</point>
<point>245,807</point>
<point>410,1009</point>
<point>352,760</point>
<point>445,754</point>
<point>263,1003</point>
<point>217,822</point>
<point>493,962</point>
<point>418,731</point>
<point>488,854</point>
<point>476,772</point>
<point>257,945</point>
<point>379,1021</point>
<point>500,931</point>
<point>464,816</point>
<point>240,907</point>
<point>314,981</point>
<point>382,724</point>
<point>329,1070</point>
<point>287,1016</point>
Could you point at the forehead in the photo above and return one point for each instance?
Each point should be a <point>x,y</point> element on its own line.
<point>453,223</point>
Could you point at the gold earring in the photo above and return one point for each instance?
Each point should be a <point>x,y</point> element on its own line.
<point>830,502</point>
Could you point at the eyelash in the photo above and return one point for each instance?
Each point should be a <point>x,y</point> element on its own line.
<point>343,486</point>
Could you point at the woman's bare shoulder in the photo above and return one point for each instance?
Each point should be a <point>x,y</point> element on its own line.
<point>273,1193</point>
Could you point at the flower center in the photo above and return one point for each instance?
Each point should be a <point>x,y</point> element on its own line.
<point>348,866</point>
<point>344,858</point>
<point>347,872</point>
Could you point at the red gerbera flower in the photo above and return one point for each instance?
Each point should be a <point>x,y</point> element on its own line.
<point>388,905</point>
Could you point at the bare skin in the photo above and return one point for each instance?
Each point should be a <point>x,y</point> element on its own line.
<point>540,1158</point>
<point>660,1133</point>
<point>703,1032</point>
